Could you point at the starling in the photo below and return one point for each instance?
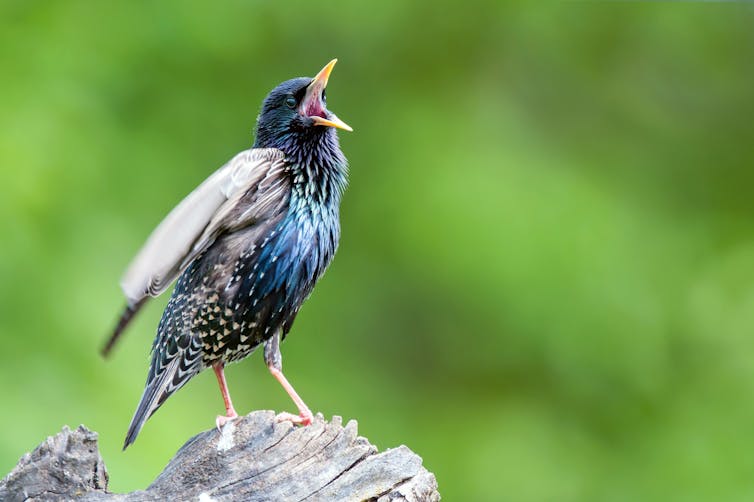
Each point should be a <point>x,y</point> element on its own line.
<point>247,247</point>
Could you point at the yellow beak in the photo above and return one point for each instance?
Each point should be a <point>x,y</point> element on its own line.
<point>314,91</point>
<point>333,121</point>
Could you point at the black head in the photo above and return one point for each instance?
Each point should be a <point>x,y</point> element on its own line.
<point>295,113</point>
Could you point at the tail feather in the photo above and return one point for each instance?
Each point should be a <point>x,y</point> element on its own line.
<point>125,319</point>
<point>172,377</point>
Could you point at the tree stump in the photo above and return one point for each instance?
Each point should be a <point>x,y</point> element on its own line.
<point>254,458</point>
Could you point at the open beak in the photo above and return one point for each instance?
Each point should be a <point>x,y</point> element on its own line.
<point>313,106</point>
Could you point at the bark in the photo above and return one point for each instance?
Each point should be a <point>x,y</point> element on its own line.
<point>254,458</point>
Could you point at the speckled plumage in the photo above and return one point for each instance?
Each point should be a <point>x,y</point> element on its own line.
<point>249,270</point>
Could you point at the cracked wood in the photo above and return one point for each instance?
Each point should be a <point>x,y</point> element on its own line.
<point>254,458</point>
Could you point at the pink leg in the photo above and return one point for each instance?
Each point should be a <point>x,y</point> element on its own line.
<point>230,412</point>
<point>305,415</point>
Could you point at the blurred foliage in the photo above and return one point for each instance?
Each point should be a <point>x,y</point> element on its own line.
<point>546,279</point>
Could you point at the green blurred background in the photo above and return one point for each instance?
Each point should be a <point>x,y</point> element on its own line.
<point>545,285</point>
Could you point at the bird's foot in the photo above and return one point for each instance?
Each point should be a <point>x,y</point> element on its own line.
<point>221,420</point>
<point>304,418</point>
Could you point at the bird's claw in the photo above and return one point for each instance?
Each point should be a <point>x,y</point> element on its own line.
<point>304,418</point>
<point>221,420</point>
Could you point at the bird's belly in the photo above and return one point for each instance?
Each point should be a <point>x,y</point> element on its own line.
<point>248,292</point>
<point>232,322</point>
<point>231,346</point>
<point>229,335</point>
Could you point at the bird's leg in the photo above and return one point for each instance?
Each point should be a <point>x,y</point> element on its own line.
<point>230,412</point>
<point>305,414</point>
<point>274,361</point>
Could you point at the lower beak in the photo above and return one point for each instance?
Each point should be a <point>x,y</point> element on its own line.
<point>333,121</point>
<point>314,92</point>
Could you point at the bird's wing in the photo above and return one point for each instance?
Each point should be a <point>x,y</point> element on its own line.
<point>262,196</point>
<point>194,223</point>
<point>192,226</point>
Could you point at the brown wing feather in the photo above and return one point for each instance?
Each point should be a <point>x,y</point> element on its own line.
<point>193,225</point>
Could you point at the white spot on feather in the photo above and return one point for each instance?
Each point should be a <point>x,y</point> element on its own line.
<point>204,497</point>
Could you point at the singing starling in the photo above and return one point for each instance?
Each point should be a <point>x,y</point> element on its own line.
<point>247,247</point>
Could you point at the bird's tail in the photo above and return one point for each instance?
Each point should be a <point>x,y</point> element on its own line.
<point>125,319</point>
<point>171,378</point>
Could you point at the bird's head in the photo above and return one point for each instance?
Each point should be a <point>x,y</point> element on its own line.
<point>295,113</point>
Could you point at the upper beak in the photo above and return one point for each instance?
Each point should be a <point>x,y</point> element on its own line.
<point>312,100</point>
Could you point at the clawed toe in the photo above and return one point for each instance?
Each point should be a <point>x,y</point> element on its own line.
<point>305,418</point>
<point>221,420</point>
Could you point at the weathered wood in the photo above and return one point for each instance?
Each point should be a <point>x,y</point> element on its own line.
<point>254,458</point>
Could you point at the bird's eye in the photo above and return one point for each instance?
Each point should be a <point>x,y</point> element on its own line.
<point>290,101</point>
<point>324,96</point>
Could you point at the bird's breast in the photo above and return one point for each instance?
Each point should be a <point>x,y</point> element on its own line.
<point>294,254</point>
<point>274,274</point>
<point>251,283</point>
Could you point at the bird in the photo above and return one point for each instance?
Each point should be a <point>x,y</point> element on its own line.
<point>245,250</point>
